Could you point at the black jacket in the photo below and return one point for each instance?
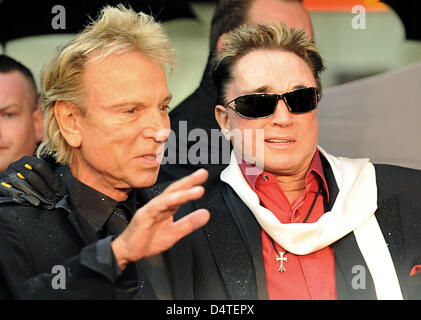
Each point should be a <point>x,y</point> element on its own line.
<point>225,256</point>
<point>35,240</point>
<point>223,260</point>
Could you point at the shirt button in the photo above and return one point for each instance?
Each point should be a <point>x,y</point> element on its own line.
<point>265,177</point>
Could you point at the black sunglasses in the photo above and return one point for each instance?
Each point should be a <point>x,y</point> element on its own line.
<point>263,105</point>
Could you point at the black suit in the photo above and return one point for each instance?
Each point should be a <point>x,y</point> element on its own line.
<point>71,236</point>
<point>226,261</point>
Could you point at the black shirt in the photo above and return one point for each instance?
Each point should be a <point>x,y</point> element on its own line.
<point>92,205</point>
<point>96,208</point>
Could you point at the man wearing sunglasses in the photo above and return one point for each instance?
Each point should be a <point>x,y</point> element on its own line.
<point>289,220</point>
<point>196,112</point>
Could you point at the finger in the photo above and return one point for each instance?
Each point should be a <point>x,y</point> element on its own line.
<point>30,165</point>
<point>191,222</point>
<point>165,205</point>
<point>194,179</point>
<point>51,179</point>
<point>19,182</point>
<point>30,182</point>
<point>7,190</point>
<point>49,157</point>
<point>171,201</point>
<point>34,201</point>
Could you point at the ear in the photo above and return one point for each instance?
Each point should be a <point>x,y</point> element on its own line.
<point>221,116</point>
<point>38,120</point>
<point>220,47</point>
<point>68,119</point>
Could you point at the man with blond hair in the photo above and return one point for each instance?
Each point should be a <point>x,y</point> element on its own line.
<point>106,119</point>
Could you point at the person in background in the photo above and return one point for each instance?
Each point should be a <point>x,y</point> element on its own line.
<point>21,121</point>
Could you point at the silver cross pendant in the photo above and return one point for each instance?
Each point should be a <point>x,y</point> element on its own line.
<point>281,259</point>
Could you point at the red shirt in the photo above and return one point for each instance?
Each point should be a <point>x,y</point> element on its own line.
<point>309,276</point>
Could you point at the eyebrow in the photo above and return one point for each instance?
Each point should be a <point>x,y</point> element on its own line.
<point>139,103</point>
<point>264,89</point>
<point>2,108</point>
<point>167,98</point>
<point>261,89</point>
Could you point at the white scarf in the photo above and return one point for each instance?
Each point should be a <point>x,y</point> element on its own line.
<point>353,210</point>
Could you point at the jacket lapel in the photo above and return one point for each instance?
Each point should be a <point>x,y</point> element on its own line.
<point>157,275</point>
<point>231,253</point>
<point>388,217</point>
<point>251,235</point>
<point>353,279</point>
<point>81,226</point>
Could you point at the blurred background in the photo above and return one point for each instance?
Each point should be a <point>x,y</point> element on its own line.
<point>349,53</point>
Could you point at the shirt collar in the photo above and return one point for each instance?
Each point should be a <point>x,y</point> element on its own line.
<point>316,169</point>
<point>92,205</point>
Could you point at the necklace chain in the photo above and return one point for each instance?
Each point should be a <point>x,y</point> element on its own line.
<point>281,257</point>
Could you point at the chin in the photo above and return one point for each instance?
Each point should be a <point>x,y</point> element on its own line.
<point>280,166</point>
<point>144,180</point>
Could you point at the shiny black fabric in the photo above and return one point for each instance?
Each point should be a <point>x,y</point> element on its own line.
<point>72,236</point>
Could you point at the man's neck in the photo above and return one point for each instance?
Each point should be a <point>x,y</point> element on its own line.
<point>292,186</point>
<point>96,181</point>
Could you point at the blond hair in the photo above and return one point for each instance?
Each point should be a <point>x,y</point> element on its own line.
<point>244,39</point>
<point>117,30</point>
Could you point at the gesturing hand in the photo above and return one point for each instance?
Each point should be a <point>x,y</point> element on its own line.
<point>153,230</point>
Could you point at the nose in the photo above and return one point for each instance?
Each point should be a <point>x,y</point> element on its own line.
<point>157,126</point>
<point>282,116</point>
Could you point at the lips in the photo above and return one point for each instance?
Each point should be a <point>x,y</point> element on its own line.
<point>152,158</point>
<point>148,160</point>
<point>149,156</point>
<point>280,140</point>
<point>154,153</point>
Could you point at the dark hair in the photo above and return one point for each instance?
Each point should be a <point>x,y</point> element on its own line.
<point>8,64</point>
<point>239,42</point>
<point>228,15</point>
